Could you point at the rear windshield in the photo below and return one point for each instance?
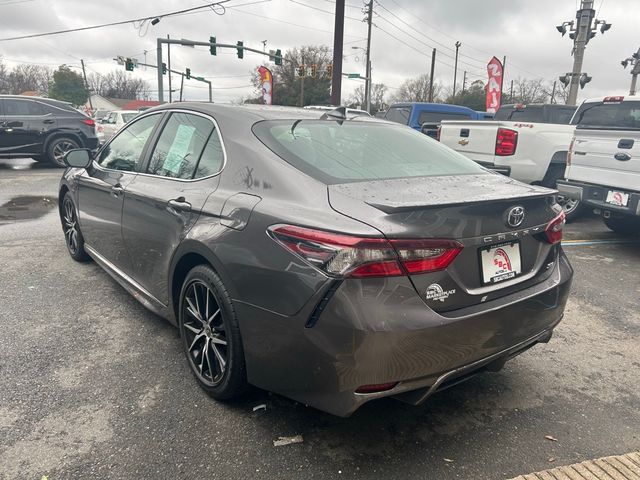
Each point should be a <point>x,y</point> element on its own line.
<point>608,116</point>
<point>531,113</point>
<point>357,151</point>
<point>437,117</point>
<point>399,115</point>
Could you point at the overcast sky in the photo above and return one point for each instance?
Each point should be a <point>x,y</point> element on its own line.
<point>523,30</point>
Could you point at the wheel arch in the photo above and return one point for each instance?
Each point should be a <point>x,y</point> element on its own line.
<point>559,157</point>
<point>62,134</point>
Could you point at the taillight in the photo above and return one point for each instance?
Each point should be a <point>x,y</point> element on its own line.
<point>340,255</point>
<point>376,387</point>
<point>438,133</point>
<point>506,142</point>
<point>570,152</point>
<point>89,121</point>
<point>553,231</point>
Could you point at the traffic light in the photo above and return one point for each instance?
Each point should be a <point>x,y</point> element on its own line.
<point>301,71</point>
<point>314,70</point>
<point>584,79</point>
<point>565,79</point>
<point>128,65</point>
<point>188,73</point>
<point>278,58</point>
<point>212,48</point>
<point>240,49</point>
<point>164,68</point>
<point>330,70</point>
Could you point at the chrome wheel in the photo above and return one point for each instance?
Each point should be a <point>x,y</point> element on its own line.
<point>569,205</point>
<point>60,149</point>
<point>70,226</point>
<point>205,333</point>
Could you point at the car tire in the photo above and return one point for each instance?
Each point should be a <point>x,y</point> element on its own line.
<point>623,225</point>
<point>57,149</point>
<point>210,335</point>
<point>573,208</point>
<point>72,234</point>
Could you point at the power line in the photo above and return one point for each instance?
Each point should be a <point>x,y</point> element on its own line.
<point>323,11</point>
<point>93,27</point>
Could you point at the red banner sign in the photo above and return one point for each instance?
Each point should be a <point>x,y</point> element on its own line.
<point>494,86</point>
<point>266,79</point>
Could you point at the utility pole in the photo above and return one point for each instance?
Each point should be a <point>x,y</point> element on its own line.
<point>433,68</point>
<point>367,85</point>
<point>464,82</point>
<point>634,61</point>
<point>86,84</point>
<point>302,87</point>
<point>511,93</point>
<point>553,92</point>
<point>338,39</point>
<point>504,66</point>
<point>182,86</point>
<point>169,66</point>
<point>455,69</point>
<point>581,31</point>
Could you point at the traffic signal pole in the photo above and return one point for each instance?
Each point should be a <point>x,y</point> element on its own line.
<point>584,18</point>
<point>367,86</point>
<point>338,40</point>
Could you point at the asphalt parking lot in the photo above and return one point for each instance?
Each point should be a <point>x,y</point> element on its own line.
<point>92,385</point>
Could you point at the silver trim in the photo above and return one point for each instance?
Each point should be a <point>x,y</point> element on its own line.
<point>171,110</point>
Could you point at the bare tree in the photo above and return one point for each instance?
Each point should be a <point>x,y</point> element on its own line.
<point>417,90</point>
<point>4,77</point>
<point>530,91</point>
<point>378,94</point>
<point>25,77</point>
<point>117,84</point>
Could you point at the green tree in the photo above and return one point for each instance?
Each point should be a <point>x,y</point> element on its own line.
<point>68,86</point>
<point>473,97</point>
<point>286,83</point>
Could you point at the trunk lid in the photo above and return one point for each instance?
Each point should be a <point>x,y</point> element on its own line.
<point>470,209</point>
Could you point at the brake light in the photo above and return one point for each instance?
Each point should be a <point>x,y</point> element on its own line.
<point>570,152</point>
<point>89,121</point>
<point>615,99</point>
<point>553,231</point>
<point>506,142</point>
<point>438,133</point>
<point>376,387</point>
<point>340,255</point>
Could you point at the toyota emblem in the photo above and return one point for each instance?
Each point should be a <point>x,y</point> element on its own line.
<point>515,216</point>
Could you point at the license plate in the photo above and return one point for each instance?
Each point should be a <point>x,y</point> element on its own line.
<point>619,199</point>
<point>500,262</point>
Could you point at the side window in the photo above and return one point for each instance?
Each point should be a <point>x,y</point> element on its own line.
<point>399,114</point>
<point>22,107</point>
<point>212,158</point>
<point>125,150</point>
<point>180,146</point>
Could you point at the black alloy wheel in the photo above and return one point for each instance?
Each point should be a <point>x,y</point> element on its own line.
<point>72,235</point>
<point>59,148</point>
<point>210,335</point>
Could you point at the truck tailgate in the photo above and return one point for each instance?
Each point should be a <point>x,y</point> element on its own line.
<point>606,157</point>
<point>475,139</point>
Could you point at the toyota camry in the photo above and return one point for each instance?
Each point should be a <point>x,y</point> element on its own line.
<point>329,258</point>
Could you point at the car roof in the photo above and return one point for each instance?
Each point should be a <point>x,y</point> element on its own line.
<point>435,106</point>
<point>31,97</point>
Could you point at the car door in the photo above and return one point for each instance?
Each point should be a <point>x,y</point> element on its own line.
<point>161,205</point>
<point>101,190</point>
<point>25,126</point>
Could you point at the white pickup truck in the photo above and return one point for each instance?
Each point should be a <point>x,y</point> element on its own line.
<point>603,169</point>
<point>526,142</point>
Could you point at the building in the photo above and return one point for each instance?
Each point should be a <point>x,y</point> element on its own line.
<point>107,104</point>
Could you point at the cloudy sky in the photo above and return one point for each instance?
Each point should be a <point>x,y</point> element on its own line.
<point>405,32</point>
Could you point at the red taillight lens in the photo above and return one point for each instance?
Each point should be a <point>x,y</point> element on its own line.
<point>89,121</point>
<point>376,387</point>
<point>506,142</point>
<point>553,231</point>
<point>438,133</point>
<point>360,257</point>
<point>570,152</point>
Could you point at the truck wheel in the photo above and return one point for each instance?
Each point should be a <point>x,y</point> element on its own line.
<point>623,225</point>
<point>572,207</point>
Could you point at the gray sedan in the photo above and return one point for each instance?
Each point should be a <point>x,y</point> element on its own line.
<point>329,258</point>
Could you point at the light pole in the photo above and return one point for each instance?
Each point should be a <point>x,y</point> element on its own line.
<point>455,69</point>
<point>634,61</point>
<point>367,80</point>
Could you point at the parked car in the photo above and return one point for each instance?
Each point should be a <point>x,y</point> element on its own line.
<point>526,142</point>
<point>42,129</point>
<point>603,166</point>
<point>350,111</point>
<point>331,259</point>
<point>426,117</point>
<point>112,122</point>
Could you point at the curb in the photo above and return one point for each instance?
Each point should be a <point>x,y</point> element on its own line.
<point>618,467</point>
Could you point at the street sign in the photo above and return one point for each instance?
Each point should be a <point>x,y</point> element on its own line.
<point>353,75</point>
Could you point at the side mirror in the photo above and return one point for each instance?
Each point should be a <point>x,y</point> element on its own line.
<point>78,158</point>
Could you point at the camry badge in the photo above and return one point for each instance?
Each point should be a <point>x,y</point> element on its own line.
<point>515,217</point>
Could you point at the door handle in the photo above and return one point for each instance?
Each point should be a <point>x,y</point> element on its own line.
<point>49,121</point>
<point>117,190</point>
<point>623,157</point>
<point>180,205</point>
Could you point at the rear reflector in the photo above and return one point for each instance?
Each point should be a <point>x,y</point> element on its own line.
<point>506,142</point>
<point>438,132</point>
<point>375,388</point>
<point>553,231</point>
<point>342,256</point>
<point>570,152</point>
<point>89,121</point>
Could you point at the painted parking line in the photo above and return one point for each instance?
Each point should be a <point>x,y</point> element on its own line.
<point>619,467</point>
<point>610,241</point>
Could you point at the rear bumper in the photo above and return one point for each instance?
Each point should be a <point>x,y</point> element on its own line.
<point>595,195</point>
<point>502,169</point>
<point>379,331</point>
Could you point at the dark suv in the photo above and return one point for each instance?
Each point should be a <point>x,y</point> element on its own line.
<point>42,129</point>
